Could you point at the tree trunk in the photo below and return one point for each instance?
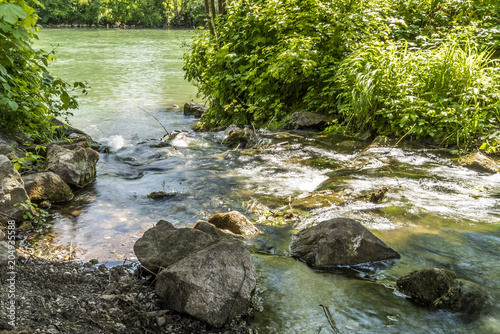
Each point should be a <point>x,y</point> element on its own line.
<point>222,7</point>
<point>209,18</point>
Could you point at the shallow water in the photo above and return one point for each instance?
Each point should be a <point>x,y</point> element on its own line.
<point>435,214</point>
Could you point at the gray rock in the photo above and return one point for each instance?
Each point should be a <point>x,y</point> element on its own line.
<point>437,288</point>
<point>214,285</point>
<point>209,229</point>
<point>11,192</point>
<point>76,166</point>
<point>234,222</point>
<point>8,150</point>
<point>4,254</point>
<point>308,120</point>
<point>479,163</point>
<point>163,245</point>
<point>238,137</point>
<point>47,186</point>
<point>195,109</point>
<point>338,242</point>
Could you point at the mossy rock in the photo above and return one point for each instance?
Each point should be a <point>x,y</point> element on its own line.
<point>438,289</point>
<point>318,199</point>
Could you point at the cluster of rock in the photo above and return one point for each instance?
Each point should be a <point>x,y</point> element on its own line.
<point>67,165</point>
<point>201,271</point>
<point>207,271</point>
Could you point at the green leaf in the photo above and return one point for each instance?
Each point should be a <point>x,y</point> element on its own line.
<point>13,105</point>
<point>65,99</point>
<point>17,165</point>
<point>11,13</point>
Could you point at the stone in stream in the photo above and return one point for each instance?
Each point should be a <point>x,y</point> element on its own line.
<point>47,186</point>
<point>194,109</point>
<point>308,120</point>
<point>235,222</point>
<point>437,288</point>
<point>339,242</point>
<point>76,166</point>
<point>479,162</point>
<point>238,137</point>
<point>12,192</point>
<point>200,271</point>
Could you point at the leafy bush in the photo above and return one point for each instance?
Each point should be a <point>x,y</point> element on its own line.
<point>387,66</point>
<point>268,55</point>
<point>449,93</point>
<point>29,95</point>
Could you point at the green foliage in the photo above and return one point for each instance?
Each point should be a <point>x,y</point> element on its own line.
<point>38,217</point>
<point>29,95</point>
<point>147,13</point>
<point>449,93</point>
<point>396,67</point>
<point>268,56</point>
<point>30,162</point>
<point>491,144</point>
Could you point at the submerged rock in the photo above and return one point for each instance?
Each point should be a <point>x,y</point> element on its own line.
<point>194,109</point>
<point>214,285</point>
<point>437,288</point>
<point>479,163</point>
<point>308,120</point>
<point>75,166</point>
<point>318,199</point>
<point>12,192</point>
<point>161,194</point>
<point>47,186</point>
<point>234,222</point>
<point>339,242</point>
<point>238,137</point>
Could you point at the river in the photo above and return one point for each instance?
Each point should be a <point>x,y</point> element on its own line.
<point>436,214</point>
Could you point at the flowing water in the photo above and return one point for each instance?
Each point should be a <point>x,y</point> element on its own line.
<point>435,214</point>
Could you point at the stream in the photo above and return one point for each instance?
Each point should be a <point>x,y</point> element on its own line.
<point>436,214</point>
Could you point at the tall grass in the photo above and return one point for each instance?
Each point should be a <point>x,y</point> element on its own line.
<point>450,93</point>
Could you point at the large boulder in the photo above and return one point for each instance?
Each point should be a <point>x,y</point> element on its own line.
<point>47,186</point>
<point>75,166</point>
<point>339,242</point>
<point>437,288</point>
<point>214,285</point>
<point>12,192</point>
<point>201,271</point>
<point>479,162</point>
<point>235,222</point>
<point>194,109</point>
<point>163,245</point>
<point>308,120</point>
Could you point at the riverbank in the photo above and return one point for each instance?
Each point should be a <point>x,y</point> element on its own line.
<point>69,297</point>
<point>109,26</point>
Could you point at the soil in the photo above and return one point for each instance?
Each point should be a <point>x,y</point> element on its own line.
<point>69,297</point>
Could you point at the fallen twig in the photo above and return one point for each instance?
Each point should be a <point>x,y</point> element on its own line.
<point>150,114</point>
<point>329,318</point>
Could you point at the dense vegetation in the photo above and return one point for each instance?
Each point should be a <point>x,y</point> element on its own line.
<point>147,13</point>
<point>393,67</point>
<point>29,95</point>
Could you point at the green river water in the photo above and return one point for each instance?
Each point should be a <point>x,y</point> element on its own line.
<point>435,215</point>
